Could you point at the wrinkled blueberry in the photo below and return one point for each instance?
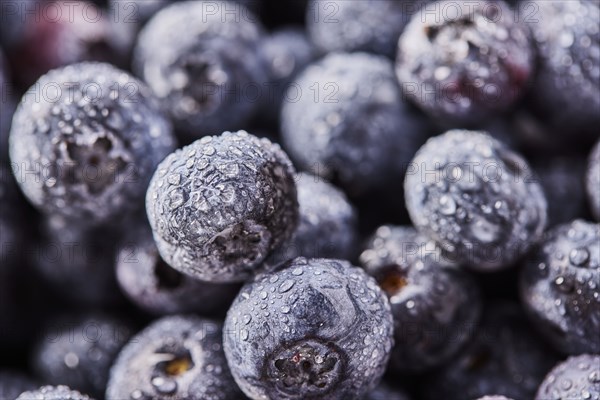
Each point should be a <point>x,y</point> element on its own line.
<point>560,287</point>
<point>175,358</point>
<point>476,198</point>
<point>85,140</point>
<point>593,181</point>
<point>314,328</point>
<point>577,377</point>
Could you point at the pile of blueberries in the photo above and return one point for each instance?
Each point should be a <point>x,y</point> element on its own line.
<point>304,199</point>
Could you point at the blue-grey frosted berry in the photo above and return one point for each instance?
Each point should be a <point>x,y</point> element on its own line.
<point>157,288</point>
<point>560,287</point>
<point>372,26</point>
<point>476,198</point>
<point>12,384</point>
<point>174,358</point>
<point>314,328</point>
<point>593,181</point>
<point>386,392</point>
<point>201,59</point>
<point>344,119</point>
<point>462,61</point>
<point>60,392</point>
<point>219,206</point>
<point>85,141</point>
<point>435,304</point>
<point>79,353</point>
<point>577,377</point>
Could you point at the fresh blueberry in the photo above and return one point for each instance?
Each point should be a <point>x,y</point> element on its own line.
<point>562,179</point>
<point>219,206</point>
<point>201,59</point>
<point>372,26</point>
<point>79,353</point>
<point>504,358</point>
<point>86,149</point>
<point>559,287</point>
<point>344,119</point>
<point>12,384</point>
<point>386,392</point>
<point>476,198</point>
<point>577,377</point>
<point>463,62</point>
<point>567,83</point>
<point>175,358</point>
<point>593,181</point>
<point>159,289</point>
<point>327,226</point>
<point>435,304</point>
<point>313,329</point>
<point>53,393</point>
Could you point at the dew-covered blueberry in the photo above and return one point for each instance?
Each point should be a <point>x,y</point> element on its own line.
<point>85,141</point>
<point>435,304</point>
<point>12,384</point>
<point>344,119</point>
<point>567,83</point>
<point>386,392</point>
<point>150,283</point>
<point>80,352</point>
<point>465,61</point>
<point>476,198</point>
<point>504,358</point>
<point>372,26</point>
<point>314,328</point>
<point>577,377</point>
<point>175,358</point>
<point>593,181</point>
<point>219,206</point>
<point>60,392</point>
<point>560,287</point>
<point>201,59</point>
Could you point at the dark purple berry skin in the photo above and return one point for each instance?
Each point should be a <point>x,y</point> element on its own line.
<point>150,283</point>
<point>560,287</point>
<point>476,198</point>
<point>204,66</point>
<point>174,358</point>
<point>12,384</point>
<point>577,377</point>
<point>463,62</point>
<point>372,26</point>
<point>435,304</point>
<point>221,205</point>
<point>344,119</point>
<point>53,393</point>
<point>386,392</point>
<point>567,84</point>
<point>312,329</point>
<point>504,358</point>
<point>79,353</point>
<point>592,181</point>
<point>87,152</point>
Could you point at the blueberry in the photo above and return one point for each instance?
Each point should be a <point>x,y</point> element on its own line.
<point>504,358</point>
<point>13,384</point>
<point>156,287</point>
<point>386,392</point>
<point>219,206</point>
<point>476,198</point>
<point>327,227</point>
<point>175,358</point>
<point>87,150</point>
<point>435,304</point>
<point>494,398</point>
<point>201,59</point>
<point>593,181</point>
<point>567,84</point>
<point>344,119</point>
<point>372,26</point>
<point>463,62</point>
<point>53,393</point>
<point>577,377</point>
<point>313,329</point>
<point>79,353</point>
<point>559,287</point>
